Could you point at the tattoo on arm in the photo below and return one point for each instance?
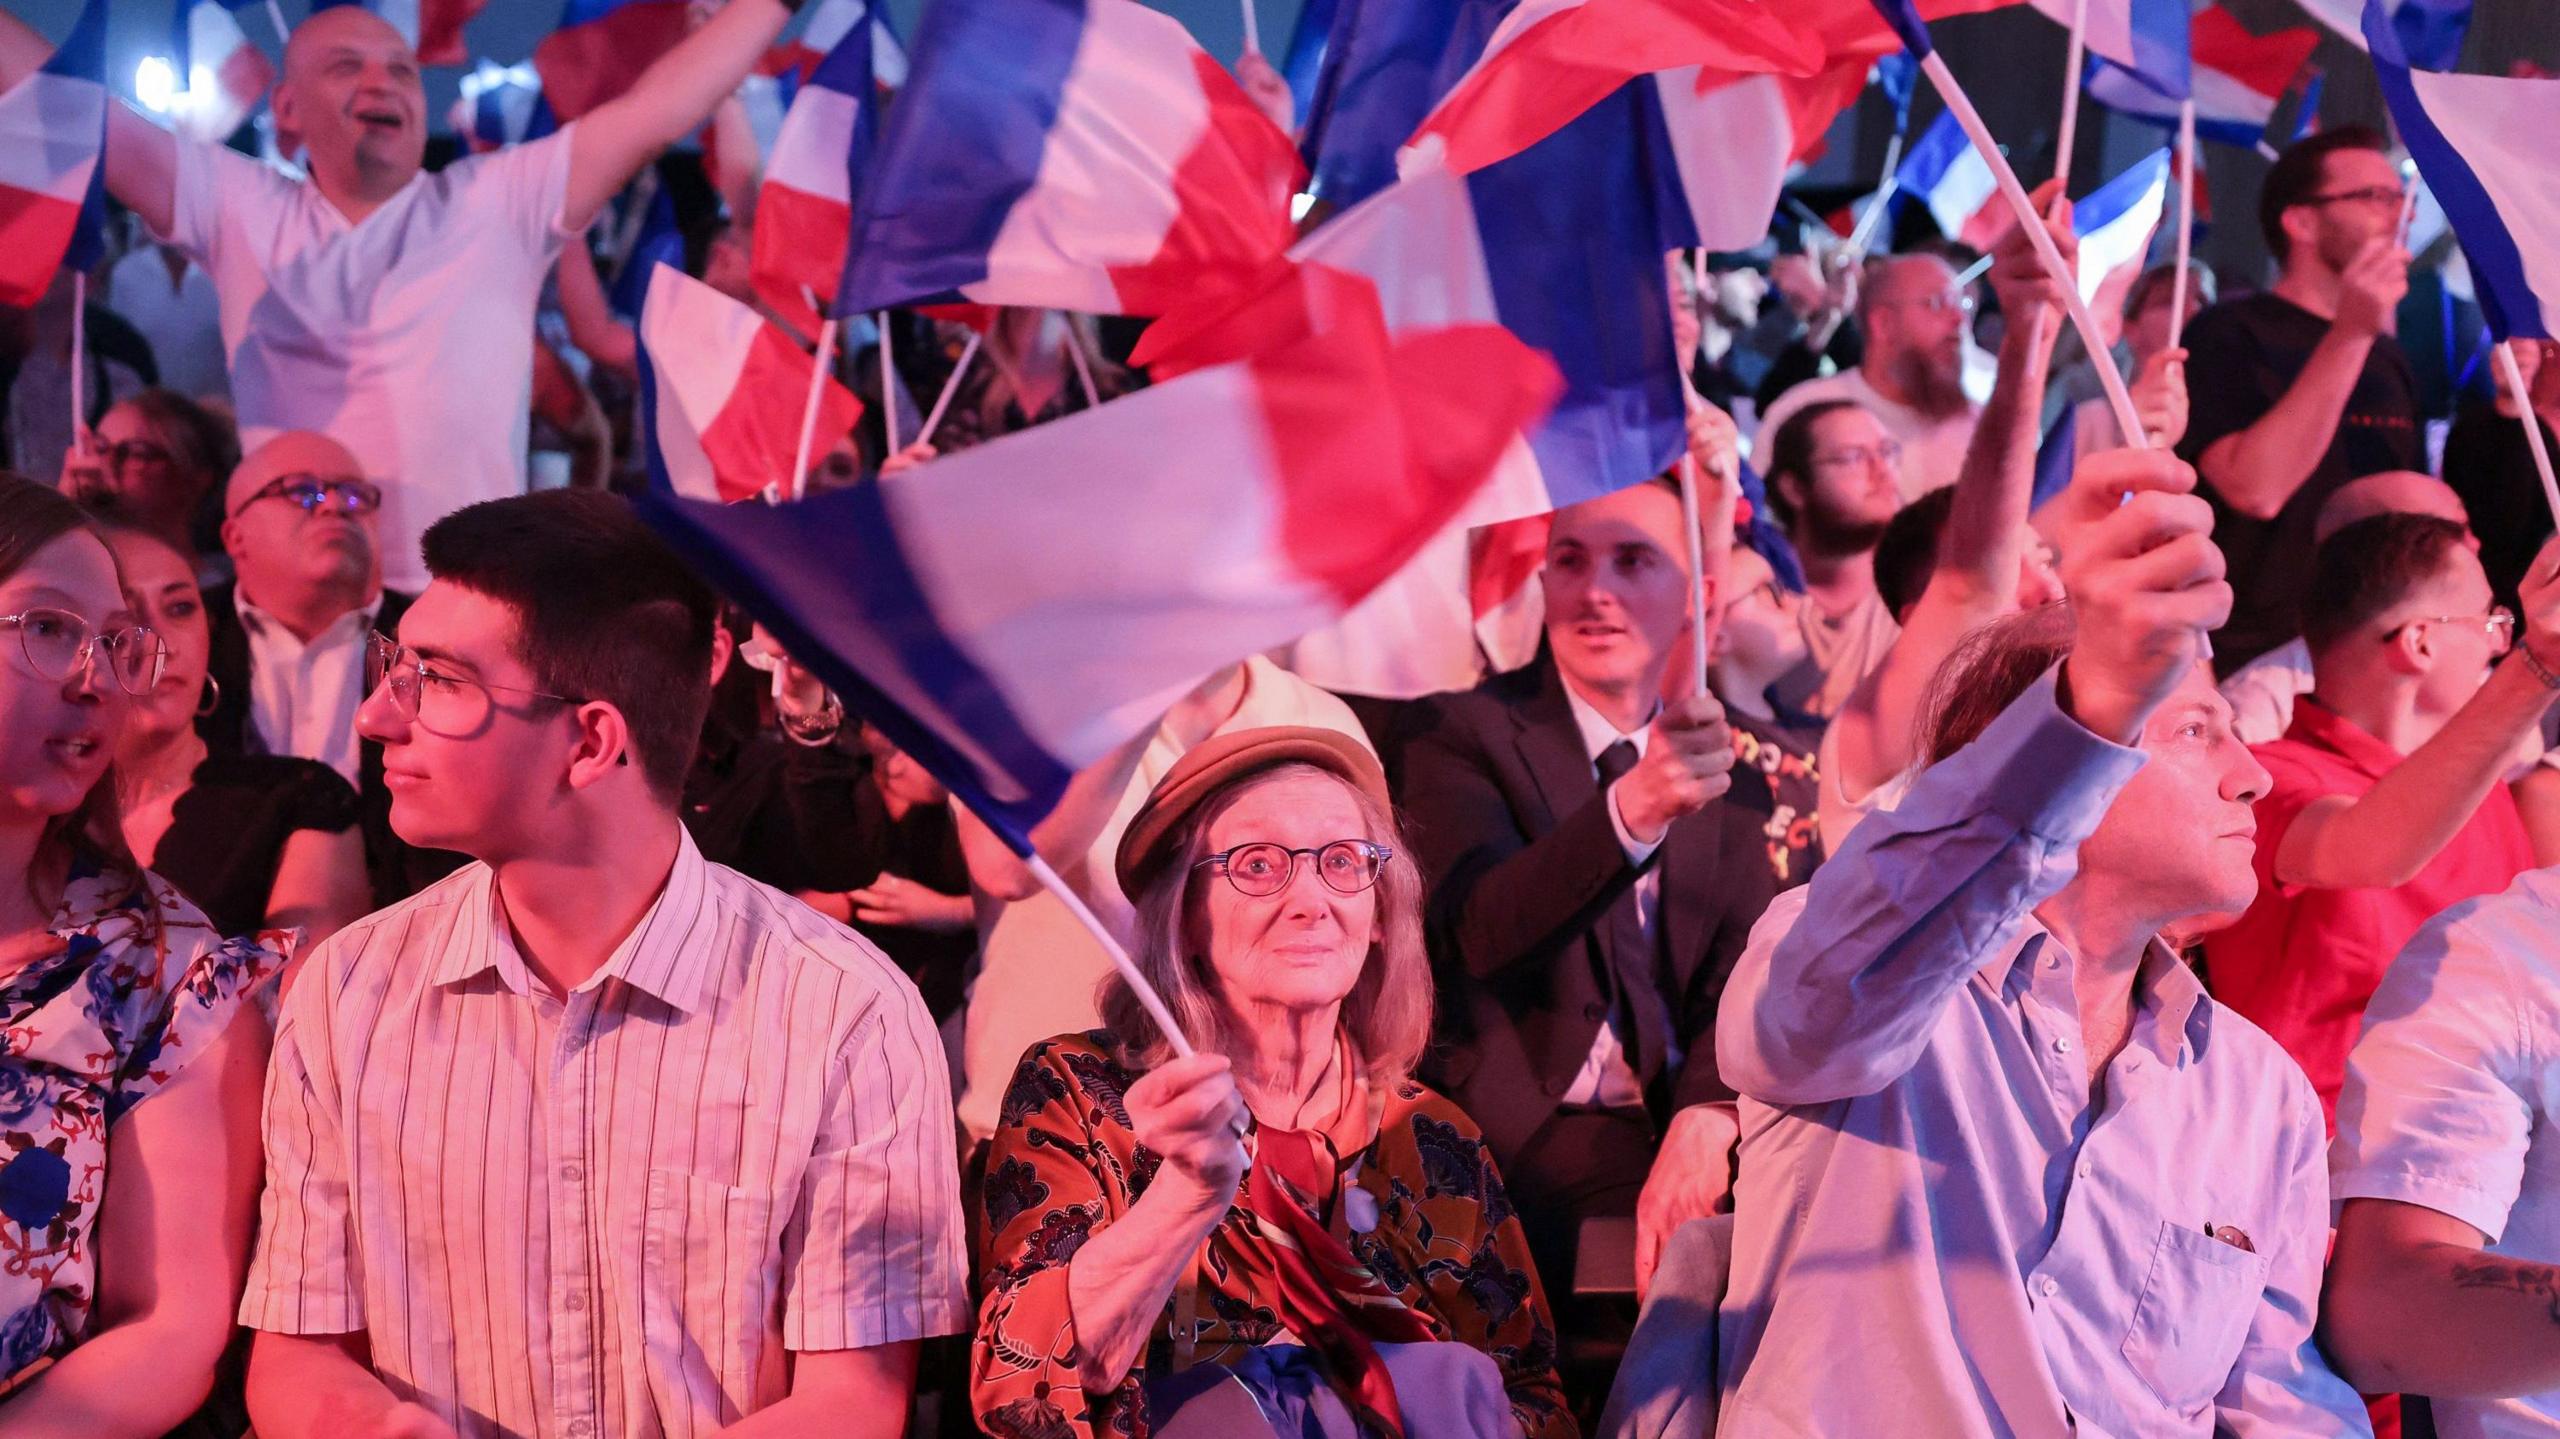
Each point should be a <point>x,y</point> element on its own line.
<point>2534,1281</point>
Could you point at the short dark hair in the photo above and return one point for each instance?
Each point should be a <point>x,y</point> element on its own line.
<point>2295,176</point>
<point>1791,453</point>
<point>604,611</point>
<point>1907,554</point>
<point>2160,279</point>
<point>2364,569</point>
<point>1990,668</point>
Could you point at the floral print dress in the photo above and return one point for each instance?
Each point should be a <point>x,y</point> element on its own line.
<point>138,986</point>
<point>1439,1234</point>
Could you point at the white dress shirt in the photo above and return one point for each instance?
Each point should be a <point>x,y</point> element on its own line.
<point>303,696</point>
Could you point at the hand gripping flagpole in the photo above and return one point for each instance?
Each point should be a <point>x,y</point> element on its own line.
<point>2532,426</point>
<point>2186,218</point>
<point>2119,399</point>
<point>1148,999</point>
<point>2068,132</point>
<point>1252,30</point>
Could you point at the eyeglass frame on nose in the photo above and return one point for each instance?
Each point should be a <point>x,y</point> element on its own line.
<point>362,496</point>
<point>382,663</point>
<point>1887,451</point>
<point>1376,853</point>
<point>86,653</point>
<point>2393,195</point>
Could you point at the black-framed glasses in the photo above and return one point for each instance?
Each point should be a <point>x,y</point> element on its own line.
<point>57,643</point>
<point>2499,624</point>
<point>2369,195</point>
<point>1262,869</point>
<point>134,452</point>
<point>344,494</point>
<point>394,667</point>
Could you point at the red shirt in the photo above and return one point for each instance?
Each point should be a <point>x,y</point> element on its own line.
<point>2302,962</point>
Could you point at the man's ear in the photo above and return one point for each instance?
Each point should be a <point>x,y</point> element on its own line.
<point>603,744</point>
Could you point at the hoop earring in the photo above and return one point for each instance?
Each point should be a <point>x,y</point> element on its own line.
<point>211,699</point>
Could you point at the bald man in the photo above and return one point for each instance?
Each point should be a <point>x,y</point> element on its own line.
<point>1915,317</point>
<point>387,307</point>
<point>2261,693</point>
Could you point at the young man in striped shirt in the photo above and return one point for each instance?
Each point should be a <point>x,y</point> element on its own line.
<point>594,1137</point>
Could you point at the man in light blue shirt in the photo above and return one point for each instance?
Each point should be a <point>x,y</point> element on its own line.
<point>2005,1168</point>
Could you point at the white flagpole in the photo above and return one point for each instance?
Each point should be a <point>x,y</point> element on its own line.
<point>2532,426</point>
<point>1690,513</point>
<point>2068,132</point>
<point>818,363</point>
<point>1252,30</point>
<point>888,387</point>
<point>1151,1001</point>
<point>275,14</point>
<point>1084,368</point>
<point>950,387</point>
<point>1960,105</point>
<point>79,354</point>
<point>2186,217</point>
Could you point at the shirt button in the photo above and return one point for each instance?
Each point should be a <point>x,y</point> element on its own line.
<point>572,1173</point>
<point>574,1301</point>
<point>580,1426</point>
<point>2084,1169</point>
<point>2050,1286</point>
<point>2062,1044</point>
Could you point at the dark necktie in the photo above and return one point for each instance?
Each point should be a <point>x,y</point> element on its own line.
<point>1625,955</point>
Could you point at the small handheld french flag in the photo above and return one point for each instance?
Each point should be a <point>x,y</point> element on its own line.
<point>721,390</point>
<point>2480,141</point>
<point>601,47</point>
<point>53,133</point>
<point>2115,225</point>
<point>804,209</point>
<point>2145,38</point>
<point>2237,78</point>
<point>1944,172</point>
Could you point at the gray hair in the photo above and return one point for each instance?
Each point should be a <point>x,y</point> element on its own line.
<point>1388,1012</point>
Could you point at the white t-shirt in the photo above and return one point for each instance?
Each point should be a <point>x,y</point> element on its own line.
<point>1932,450</point>
<point>408,338</point>
<point>2451,1096</point>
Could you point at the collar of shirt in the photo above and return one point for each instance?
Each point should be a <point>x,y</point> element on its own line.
<point>2166,993</point>
<point>665,955</point>
<point>2316,724</point>
<point>1597,733</point>
<point>267,627</point>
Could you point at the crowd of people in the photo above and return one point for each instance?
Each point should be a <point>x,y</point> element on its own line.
<point>2076,961</point>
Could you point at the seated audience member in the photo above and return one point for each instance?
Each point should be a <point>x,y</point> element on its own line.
<point>1998,1143</point>
<point>1981,558</point>
<point>1589,882</point>
<point>2447,1262</point>
<point>157,461</point>
<point>1813,329</point>
<point>1911,379</point>
<point>2262,692</point>
<point>1039,972</point>
<point>2158,372</point>
<point>135,1050</point>
<point>2489,463</point>
<point>1834,482</point>
<point>2299,388</point>
<point>2390,799</point>
<point>1287,1209</point>
<point>782,1228</point>
<point>256,841</point>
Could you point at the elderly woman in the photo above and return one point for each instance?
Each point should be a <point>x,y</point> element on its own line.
<point>1287,1207</point>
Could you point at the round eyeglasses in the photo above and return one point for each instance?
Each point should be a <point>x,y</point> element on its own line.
<point>344,494</point>
<point>57,643</point>
<point>1263,869</point>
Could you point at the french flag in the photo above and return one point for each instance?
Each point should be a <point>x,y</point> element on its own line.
<point>1943,172</point>
<point>225,75</point>
<point>2429,32</point>
<point>1012,613</point>
<point>1386,63</point>
<point>501,105</point>
<point>2480,141</point>
<point>804,209</point>
<point>601,47</point>
<point>829,23</point>
<point>433,28</point>
<point>1073,154</point>
<point>721,394</point>
<point>53,130</point>
<point>2238,79</point>
<point>2115,225</point>
<point>2146,37</point>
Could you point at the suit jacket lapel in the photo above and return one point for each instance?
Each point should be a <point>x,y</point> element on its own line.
<point>1550,746</point>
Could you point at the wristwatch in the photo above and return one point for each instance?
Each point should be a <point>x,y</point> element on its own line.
<point>813,730</point>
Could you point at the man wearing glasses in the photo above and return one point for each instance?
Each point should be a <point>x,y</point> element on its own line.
<point>2389,799</point>
<point>1916,318</point>
<point>2300,388</point>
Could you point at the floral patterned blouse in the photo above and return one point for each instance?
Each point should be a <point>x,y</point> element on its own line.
<point>140,984</point>
<point>1065,1162</point>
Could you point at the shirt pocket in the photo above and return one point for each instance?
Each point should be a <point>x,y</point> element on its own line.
<point>2192,1316</point>
<point>708,1319</point>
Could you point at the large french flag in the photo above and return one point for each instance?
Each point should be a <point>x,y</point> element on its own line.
<point>2115,225</point>
<point>225,75</point>
<point>2238,77</point>
<point>2479,142</point>
<point>433,28</point>
<point>1012,613</point>
<point>1945,174</point>
<point>721,394</point>
<point>829,23</point>
<point>804,209</point>
<point>1386,63</point>
<point>2430,32</point>
<point>601,47</point>
<point>501,105</point>
<point>2145,37</point>
<point>53,131</point>
<point>1074,154</point>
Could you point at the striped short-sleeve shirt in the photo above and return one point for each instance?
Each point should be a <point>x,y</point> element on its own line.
<point>609,1213</point>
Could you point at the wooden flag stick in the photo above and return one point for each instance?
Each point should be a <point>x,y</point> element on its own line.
<point>2532,426</point>
<point>818,366</point>
<point>888,387</point>
<point>2068,132</point>
<point>1148,999</point>
<point>1960,105</point>
<point>2186,218</point>
<point>950,387</point>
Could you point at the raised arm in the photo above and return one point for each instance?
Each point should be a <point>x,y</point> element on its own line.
<point>142,158</point>
<point>2257,469</point>
<point>670,99</point>
<point>592,326</point>
<point>1985,539</point>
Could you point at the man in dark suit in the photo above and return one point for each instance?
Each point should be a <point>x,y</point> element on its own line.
<point>1589,887</point>
<point>289,636</point>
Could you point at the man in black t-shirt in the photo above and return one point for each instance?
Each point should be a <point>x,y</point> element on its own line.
<point>2298,389</point>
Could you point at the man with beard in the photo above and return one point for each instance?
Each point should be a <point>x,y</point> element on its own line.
<point>1914,315</point>
<point>1835,479</point>
<point>2301,388</point>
